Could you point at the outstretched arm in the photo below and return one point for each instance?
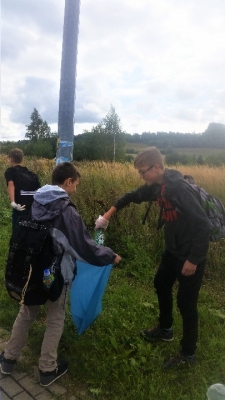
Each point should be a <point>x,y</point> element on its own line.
<point>103,220</point>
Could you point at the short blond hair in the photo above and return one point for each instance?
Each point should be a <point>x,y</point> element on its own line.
<point>148,157</point>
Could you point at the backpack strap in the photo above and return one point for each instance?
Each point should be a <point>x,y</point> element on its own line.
<point>147,212</point>
<point>148,209</point>
<point>25,287</point>
<point>161,222</point>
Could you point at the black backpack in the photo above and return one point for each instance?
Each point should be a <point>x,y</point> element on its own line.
<point>31,251</point>
<point>26,184</point>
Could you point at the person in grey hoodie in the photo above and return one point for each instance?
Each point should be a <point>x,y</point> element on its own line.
<point>186,231</point>
<point>52,203</point>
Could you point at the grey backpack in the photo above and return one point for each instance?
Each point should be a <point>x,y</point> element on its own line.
<point>213,208</point>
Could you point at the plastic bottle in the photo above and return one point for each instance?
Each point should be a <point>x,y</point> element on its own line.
<point>99,237</point>
<point>48,278</point>
<point>216,392</point>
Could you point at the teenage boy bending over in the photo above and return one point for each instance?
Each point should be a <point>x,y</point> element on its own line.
<point>51,202</point>
<point>186,230</point>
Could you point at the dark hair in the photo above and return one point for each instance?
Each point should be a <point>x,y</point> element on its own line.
<point>64,171</point>
<point>16,155</point>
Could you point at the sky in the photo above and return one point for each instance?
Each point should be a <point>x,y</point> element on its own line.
<point>159,63</point>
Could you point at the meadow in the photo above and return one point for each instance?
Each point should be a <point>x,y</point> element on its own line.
<point>109,360</point>
<point>189,151</point>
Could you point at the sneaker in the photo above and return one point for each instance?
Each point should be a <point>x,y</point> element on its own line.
<point>179,359</point>
<point>157,333</point>
<point>46,378</point>
<point>7,365</point>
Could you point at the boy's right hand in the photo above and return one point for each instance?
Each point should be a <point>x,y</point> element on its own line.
<point>17,207</point>
<point>101,223</point>
<point>117,259</point>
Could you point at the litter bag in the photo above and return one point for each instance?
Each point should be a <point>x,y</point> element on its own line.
<point>86,294</point>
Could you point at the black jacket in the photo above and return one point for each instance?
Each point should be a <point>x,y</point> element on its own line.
<point>186,225</point>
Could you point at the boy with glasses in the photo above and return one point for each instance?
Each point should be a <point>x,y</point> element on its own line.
<point>186,230</point>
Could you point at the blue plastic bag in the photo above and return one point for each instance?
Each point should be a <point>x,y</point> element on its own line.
<point>86,294</point>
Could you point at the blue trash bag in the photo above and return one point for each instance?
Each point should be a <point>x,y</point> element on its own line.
<point>86,294</point>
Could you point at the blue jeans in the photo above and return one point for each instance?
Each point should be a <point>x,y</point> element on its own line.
<point>187,297</point>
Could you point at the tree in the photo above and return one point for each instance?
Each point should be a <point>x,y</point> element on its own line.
<point>200,160</point>
<point>112,126</point>
<point>37,129</point>
<point>105,141</point>
<point>215,135</point>
<point>42,148</point>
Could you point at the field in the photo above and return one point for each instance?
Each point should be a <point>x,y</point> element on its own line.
<point>204,151</point>
<point>197,151</point>
<point>109,360</point>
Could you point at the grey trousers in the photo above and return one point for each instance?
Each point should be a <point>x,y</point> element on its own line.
<point>55,316</point>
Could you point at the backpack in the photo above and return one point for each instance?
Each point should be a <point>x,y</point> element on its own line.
<point>26,184</point>
<point>31,251</point>
<point>213,208</point>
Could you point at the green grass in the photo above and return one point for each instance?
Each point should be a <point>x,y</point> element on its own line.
<point>109,360</point>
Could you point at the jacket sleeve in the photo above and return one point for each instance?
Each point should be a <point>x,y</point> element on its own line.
<point>197,222</point>
<point>143,193</point>
<point>84,247</point>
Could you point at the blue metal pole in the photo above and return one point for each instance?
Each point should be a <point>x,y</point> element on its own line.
<point>68,81</point>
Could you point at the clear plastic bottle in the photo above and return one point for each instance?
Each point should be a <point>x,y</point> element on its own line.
<point>99,236</point>
<point>48,278</point>
<point>216,392</point>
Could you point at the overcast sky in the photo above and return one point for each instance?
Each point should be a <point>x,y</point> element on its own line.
<point>159,63</point>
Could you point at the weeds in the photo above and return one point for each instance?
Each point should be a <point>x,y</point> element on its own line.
<point>109,360</point>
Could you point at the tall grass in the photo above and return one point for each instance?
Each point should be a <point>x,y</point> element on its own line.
<point>109,360</point>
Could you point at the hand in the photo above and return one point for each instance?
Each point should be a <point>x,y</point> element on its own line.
<point>188,268</point>
<point>101,223</point>
<point>117,259</point>
<point>17,207</point>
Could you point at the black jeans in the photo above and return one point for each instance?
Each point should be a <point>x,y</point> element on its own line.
<point>187,297</point>
<point>17,214</point>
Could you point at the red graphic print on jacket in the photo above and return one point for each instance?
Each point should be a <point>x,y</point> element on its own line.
<point>168,212</point>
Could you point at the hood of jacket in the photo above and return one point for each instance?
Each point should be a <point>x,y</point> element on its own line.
<point>171,176</point>
<point>49,202</point>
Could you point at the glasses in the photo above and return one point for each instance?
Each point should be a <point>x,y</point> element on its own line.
<point>144,172</point>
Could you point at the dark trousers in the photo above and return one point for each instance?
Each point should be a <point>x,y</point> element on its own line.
<point>187,297</point>
<point>17,214</point>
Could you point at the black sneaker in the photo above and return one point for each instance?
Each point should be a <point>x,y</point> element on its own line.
<point>179,359</point>
<point>46,378</point>
<point>157,333</point>
<point>7,365</point>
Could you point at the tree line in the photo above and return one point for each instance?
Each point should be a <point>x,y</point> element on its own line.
<point>108,141</point>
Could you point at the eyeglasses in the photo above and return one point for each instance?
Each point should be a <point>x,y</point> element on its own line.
<point>144,172</point>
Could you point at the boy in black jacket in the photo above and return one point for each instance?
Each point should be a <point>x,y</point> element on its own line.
<point>21,185</point>
<point>186,229</point>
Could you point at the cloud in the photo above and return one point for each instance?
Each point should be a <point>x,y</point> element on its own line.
<point>160,64</point>
<point>40,93</point>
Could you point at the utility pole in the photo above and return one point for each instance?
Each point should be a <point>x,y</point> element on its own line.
<point>68,81</point>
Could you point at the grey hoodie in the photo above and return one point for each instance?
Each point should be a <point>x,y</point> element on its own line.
<point>52,203</point>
